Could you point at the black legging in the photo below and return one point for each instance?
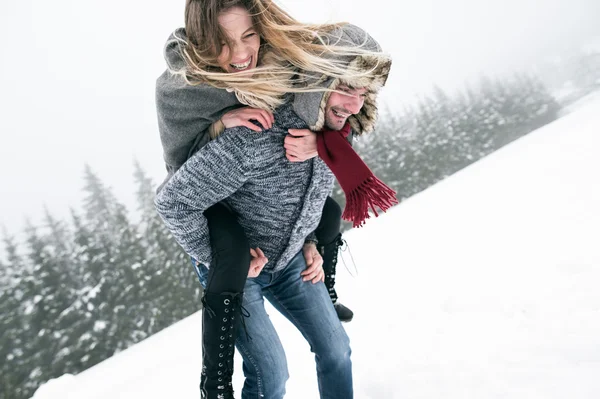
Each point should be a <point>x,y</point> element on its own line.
<point>330,224</point>
<point>231,251</point>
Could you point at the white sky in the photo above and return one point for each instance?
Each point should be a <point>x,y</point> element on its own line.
<point>506,305</point>
<point>77,77</point>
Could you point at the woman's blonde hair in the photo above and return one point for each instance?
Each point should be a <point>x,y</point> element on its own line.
<point>290,57</point>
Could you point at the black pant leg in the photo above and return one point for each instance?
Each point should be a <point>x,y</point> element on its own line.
<point>230,251</point>
<point>330,224</point>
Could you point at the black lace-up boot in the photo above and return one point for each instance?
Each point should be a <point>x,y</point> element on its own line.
<point>330,252</point>
<point>221,317</point>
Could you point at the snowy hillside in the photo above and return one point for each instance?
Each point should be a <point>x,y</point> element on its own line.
<point>483,286</point>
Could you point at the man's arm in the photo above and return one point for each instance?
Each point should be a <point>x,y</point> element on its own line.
<point>214,173</point>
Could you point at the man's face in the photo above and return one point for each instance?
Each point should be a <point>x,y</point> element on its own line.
<point>340,106</point>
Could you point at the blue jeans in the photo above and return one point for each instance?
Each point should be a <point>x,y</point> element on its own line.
<point>309,308</point>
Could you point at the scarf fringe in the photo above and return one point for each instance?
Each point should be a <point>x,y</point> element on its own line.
<point>370,193</point>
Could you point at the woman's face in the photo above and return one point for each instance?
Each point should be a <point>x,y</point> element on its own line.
<point>245,42</point>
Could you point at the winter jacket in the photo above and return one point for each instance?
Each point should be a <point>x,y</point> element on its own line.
<point>185,112</point>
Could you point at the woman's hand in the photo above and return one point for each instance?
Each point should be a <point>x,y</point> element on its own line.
<point>314,261</point>
<point>257,263</point>
<point>300,145</point>
<point>243,116</point>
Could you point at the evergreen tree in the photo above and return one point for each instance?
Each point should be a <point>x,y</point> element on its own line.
<point>111,253</point>
<point>14,365</point>
<point>170,288</point>
<point>37,308</point>
<point>65,298</point>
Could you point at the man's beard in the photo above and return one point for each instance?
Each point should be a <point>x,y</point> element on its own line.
<point>335,123</point>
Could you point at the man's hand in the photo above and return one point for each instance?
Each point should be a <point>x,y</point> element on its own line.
<point>257,263</point>
<point>243,116</point>
<point>301,145</point>
<point>314,261</point>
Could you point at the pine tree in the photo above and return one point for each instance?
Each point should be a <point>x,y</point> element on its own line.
<point>38,308</point>
<point>14,363</point>
<point>66,298</point>
<point>86,348</point>
<point>111,254</point>
<point>170,285</point>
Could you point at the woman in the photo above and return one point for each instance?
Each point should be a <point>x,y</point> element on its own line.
<point>219,63</point>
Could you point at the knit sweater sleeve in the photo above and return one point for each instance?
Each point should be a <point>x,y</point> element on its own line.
<point>311,238</point>
<point>215,172</point>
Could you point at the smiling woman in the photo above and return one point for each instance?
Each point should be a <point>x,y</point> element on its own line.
<point>240,51</point>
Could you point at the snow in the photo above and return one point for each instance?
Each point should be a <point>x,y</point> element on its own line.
<point>100,325</point>
<point>590,98</point>
<point>55,388</point>
<point>482,286</point>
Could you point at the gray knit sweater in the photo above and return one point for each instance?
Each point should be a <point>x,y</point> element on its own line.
<point>278,203</point>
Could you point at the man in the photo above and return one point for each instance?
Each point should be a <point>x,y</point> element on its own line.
<point>278,203</point>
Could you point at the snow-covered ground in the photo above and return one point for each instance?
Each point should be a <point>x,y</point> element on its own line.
<point>484,286</point>
<point>590,98</point>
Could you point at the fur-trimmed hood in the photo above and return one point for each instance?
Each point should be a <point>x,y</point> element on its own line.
<point>311,106</point>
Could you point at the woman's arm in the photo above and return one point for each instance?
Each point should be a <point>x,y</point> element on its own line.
<point>185,113</point>
<point>189,116</point>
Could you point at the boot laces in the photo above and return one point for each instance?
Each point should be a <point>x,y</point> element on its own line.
<point>245,313</point>
<point>344,247</point>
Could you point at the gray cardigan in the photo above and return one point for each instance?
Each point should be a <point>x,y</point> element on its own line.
<point>278,203</point>
<point>185,112</point>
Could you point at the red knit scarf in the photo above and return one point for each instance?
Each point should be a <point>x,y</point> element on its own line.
<point>362,188</point>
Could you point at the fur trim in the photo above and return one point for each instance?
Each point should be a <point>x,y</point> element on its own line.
<point>365,120</point>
